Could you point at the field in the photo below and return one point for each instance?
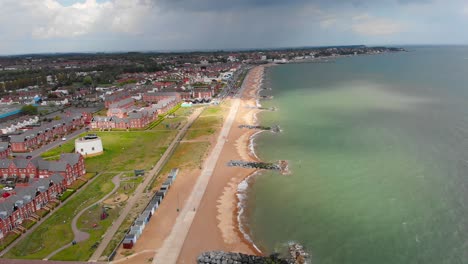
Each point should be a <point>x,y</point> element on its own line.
<point>208,123</point>
<point>126,151</point>
<point>123,152</point>
<point>38,244</point>
<point>67,147</point>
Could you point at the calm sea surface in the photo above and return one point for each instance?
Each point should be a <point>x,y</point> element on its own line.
<point>378,148</point>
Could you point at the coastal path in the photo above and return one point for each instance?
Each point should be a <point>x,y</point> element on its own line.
<point>170,250</point>
<point>141,188</point>
<point>78,234</point>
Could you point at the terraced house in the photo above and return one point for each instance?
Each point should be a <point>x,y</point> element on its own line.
<point>32,184</point>
<point>34,138</point>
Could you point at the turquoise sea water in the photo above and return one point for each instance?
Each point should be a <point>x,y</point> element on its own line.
<point>378,148</point>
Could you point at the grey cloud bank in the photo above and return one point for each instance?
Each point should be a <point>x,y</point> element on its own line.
<point>117,25</point>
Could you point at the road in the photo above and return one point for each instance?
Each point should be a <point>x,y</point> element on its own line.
<point>170,250</point>
<point>140,189</point>
<point>39,151</point>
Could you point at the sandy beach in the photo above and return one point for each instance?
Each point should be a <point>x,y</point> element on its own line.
<point>215,225</point>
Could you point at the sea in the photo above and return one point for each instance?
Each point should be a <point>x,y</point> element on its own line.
<point>378,151</point>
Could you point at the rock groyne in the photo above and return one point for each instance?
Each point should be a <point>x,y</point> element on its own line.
<point>220,257</point>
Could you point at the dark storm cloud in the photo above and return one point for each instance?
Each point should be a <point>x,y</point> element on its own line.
<point>229,5</point>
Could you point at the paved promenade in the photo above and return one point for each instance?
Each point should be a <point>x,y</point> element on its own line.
<point>169,252</point>
<point>141,188</point>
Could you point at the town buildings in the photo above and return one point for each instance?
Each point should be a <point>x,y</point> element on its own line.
<point>32,183</point>
<point>49,131</point>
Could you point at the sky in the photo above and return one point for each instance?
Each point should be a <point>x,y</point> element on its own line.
<point>38,26</point>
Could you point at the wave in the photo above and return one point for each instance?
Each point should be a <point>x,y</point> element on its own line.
<point>242,189</point>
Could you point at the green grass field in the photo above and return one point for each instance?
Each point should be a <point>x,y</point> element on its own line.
<point>123,151</point>
<point>186,156</point>
<point>39,243</point>
<point>197,133</point>
<point>66,147</point>
<point>82,251</point>
<point>209,121</point>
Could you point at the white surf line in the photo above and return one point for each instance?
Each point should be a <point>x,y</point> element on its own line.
<point>170,250</point>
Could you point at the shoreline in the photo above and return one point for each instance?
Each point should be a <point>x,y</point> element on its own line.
<point>216,219</point>
<point>243,186</point>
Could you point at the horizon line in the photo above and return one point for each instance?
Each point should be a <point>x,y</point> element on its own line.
<point>169,51</point>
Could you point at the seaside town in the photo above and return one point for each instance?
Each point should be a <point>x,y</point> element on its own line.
<point>91,146</point>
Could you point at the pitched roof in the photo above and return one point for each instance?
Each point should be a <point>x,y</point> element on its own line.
<point>4,146</point>
<point>70,158</point>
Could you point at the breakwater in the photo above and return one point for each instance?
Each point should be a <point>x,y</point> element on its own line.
<point>281,165</point>
<point>220,257</point>
<point>297,255</point>
<point>274,128</point>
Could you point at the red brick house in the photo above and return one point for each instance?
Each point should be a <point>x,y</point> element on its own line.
<point>37,182</point>
<point>154,97</point>
<point>34,138</point>
<point>5,150</point>
<point>115,98</point>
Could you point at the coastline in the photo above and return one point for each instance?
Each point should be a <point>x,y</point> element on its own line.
<point>217,225</point>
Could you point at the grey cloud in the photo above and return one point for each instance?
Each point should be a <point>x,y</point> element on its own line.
<point>225,5</point>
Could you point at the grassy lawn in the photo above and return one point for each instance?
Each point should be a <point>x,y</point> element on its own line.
<point>184,111</point>
<point>8,239</point>
<point>130,150</point>
<point>28,223</point>
<point>213,110</point>
<point>129,186</point>
<point>66,194</point>
<point>186,156</point>
<point>76,185</point>
<point>89,175</point>
<point>126,150</point>
<point>82,251</point>
<point>171,123</point>
<point>207,121</point>
<point>196,133</point>
<point>66,147</point>
<point>38,244</point>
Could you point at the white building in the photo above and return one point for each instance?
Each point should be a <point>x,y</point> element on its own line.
<point>90,145</point>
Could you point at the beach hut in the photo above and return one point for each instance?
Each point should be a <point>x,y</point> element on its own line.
<point>150,209</point>
<point>128,244</point>
<point>174,173</point>
<point>136,234</point>
<point>161,194</point>
<point>141,223</point>
<point>137,230</point>
<point>154,205</point>
<point>146,215</point>
<point>168,182</point>
<point>156,199</point>
<point>143,218</point>
<point>130,237</point>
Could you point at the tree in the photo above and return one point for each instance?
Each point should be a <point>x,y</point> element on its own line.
<point>29,110</point>
<point>87,80</point>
